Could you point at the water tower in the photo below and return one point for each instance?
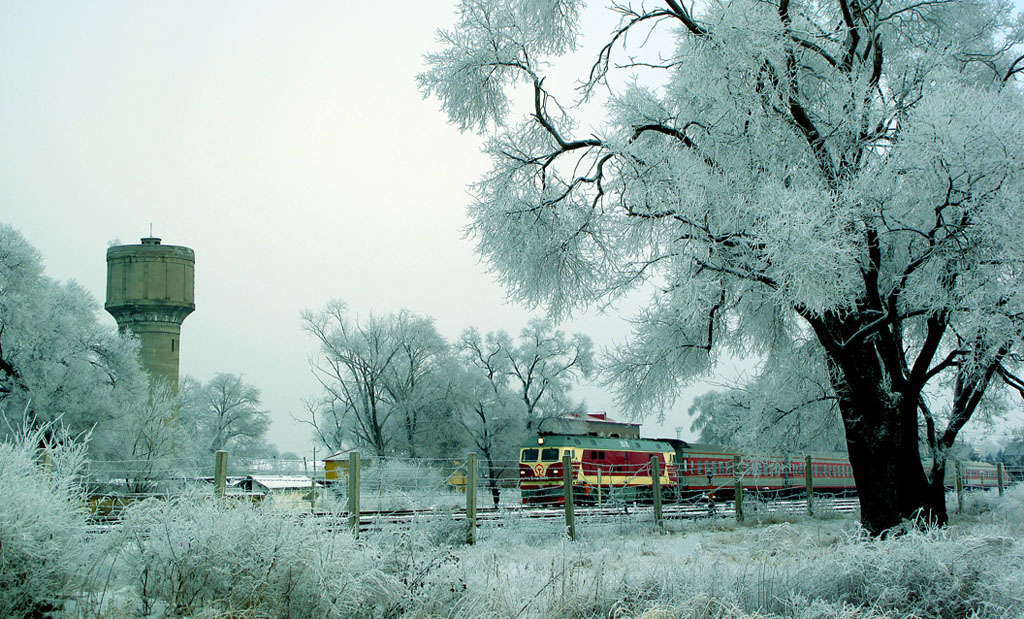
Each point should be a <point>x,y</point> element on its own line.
<point>150,291</point>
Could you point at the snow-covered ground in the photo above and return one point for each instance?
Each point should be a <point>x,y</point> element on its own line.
<point>803,568</point>
<point>194,555</point>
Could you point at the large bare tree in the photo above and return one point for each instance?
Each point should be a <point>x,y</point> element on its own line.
<point>381,378</point>
<point>843,172</point>
<point>225,413</point>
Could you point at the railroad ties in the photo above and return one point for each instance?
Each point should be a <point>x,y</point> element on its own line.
<point>371,521</point>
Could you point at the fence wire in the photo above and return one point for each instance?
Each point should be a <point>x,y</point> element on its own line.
<point>394,487</point>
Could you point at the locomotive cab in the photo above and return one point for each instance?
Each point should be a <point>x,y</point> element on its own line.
<point>602,467</point>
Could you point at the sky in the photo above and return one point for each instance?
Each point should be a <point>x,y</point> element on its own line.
<point>288,145</point>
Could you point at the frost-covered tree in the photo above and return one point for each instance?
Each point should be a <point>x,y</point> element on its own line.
<point>417,379</point>
<point>382,379</point>
<point>494,415</point>
<point>751,418</point>
<point>509,387</point>
<point>834,171</point>
<point>543,366</point>
<point>224,413</point>
<point>1012,450</point>
<point>152,439</point>
<point>44,547</point>
<point>326,415</point>
<point>57,360</point>
<point>789,409</point>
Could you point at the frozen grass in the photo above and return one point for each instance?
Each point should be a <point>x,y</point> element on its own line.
<point>805,568</point>
<point>396,484</point>
<point>42,518</point>
<point>196,556</point>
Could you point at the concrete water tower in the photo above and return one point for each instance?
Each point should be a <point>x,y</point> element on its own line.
<point>150,291</point>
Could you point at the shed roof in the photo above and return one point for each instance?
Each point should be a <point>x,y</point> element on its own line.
<point>339,455</point>
<point>280,482</point>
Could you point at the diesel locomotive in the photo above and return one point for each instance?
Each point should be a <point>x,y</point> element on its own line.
<point>622,468</point>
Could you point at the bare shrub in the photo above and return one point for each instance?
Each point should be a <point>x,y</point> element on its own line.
<point>196,555</point>
<point>43,551</point>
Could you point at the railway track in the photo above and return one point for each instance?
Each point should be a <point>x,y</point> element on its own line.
<point>381,519</point>
<point>375,520</point>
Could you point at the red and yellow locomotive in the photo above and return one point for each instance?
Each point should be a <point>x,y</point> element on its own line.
<point>622,468</point>
<point>599,464</point>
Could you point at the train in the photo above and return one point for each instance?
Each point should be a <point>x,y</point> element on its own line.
<point>620,469</point>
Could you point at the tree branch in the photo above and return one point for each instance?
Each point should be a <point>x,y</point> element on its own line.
<point>686,18</point>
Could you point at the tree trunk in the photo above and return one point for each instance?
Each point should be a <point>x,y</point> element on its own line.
<point>871,447</point>
<point>492,482</point>
<point>410,436</point>
<point>936,499</point>
<point>882,439</point>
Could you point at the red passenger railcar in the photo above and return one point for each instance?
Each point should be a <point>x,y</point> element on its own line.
<point>621,469</point>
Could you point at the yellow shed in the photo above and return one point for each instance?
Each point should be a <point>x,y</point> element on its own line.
<point>336,465</point>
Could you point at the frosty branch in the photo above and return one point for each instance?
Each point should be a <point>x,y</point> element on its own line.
<point>827,172</point>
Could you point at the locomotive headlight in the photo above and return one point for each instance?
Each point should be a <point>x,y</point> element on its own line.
<point>540,440</point>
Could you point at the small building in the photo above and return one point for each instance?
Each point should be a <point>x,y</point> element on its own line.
<point>336,465</point>
<point>286,491</point>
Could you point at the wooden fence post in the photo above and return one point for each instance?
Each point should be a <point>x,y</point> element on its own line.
<point>999,477</point>
<point>738,489</point>
<point>48,464</point>
<point>959,487</point>
<point>471,499</point>
<point>599,485</point>
<point>353,493</point>
<point>312,485</point>
<point>656,490</point>
<point>570,512</point>
<point>220,473</point>
<point>809,482</point>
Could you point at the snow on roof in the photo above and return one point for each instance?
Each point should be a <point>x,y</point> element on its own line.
<point>600,418</point>
<point>280,482</point>
<point>339,455</point>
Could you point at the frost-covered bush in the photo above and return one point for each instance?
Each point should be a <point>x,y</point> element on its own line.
<point>806,568</point>
<point>43,551</point>
<point>394,483</point>
<point>1010,508</point>
<point>195,555</point>
<point>977,502</point>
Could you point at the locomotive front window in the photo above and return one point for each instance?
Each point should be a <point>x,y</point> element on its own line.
<point>529,455</point>
<point>549,454</point>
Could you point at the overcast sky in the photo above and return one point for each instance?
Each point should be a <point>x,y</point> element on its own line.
<point>286,143</point>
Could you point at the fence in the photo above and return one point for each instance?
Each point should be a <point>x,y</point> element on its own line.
<point>369,490</point>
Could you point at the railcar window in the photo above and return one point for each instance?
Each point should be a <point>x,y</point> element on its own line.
<point>549,454</point>
<point>529,455</point>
